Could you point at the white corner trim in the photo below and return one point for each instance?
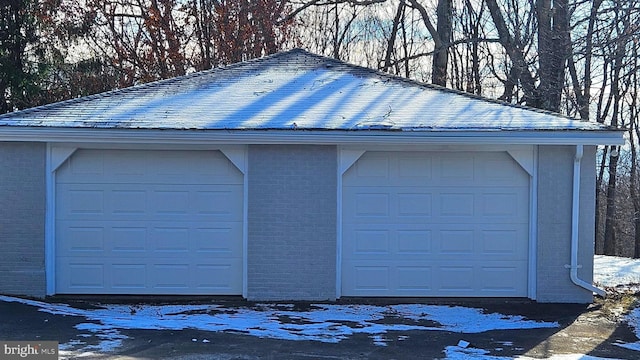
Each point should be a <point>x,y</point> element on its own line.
<point>525,158</point>
<point>49,227</point>
<point>533,227</point>
<point>237,154</point>
<point>55,156</point>
<point>245,224</point>
<point>347,158</point>
<point>339,173</point>
<point>575,226</point>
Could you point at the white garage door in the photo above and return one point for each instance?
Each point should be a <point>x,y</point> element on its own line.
<point>148,222</point>
<point>435,224</point>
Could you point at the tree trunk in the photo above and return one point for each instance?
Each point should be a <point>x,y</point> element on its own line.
<point>610,244</point>
<point>553,51</point>
<point>599,243</point>
<point>514,50</point>
<point>392,37</point>
<point>441,54</point>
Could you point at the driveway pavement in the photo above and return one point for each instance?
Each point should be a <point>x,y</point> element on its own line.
<point>358,329</point>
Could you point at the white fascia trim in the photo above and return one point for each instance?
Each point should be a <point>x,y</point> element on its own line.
<point>320,137</point>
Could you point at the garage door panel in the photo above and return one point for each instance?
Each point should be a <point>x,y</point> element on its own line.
<point>367,278</point>
<point>130,239</point>
<point>501,204</point>
<point>500,169</point>
<point>437,204</point>
<point>456,204</point>
<point>455,278</point>
<point>455,168</point>
<point>490,241</point>
<point>145,202</point>
<point>384,202</point>
<point>379,168</point>
<point>450,278</point>
<point>456,242</point>
<point>87,238</point>
<point>414,204</point>
<point>149,222</point>
<point>414,242</point>
<point>455,227</point>
<point>131,276</point>
<point>503,242</point>
<point>127,277</point>
<point>372,241</point>
<point>372,205</point>
<point>413,170</point>
<point>84,275</point>
<point>151,167</point>
<point>414,278</point>
<point>82,200</point>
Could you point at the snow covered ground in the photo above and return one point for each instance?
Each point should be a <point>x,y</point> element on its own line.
<point>611,272</point>
<point>620,273</point>
<point>323,322</point>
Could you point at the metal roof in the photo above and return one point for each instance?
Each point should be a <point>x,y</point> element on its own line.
<point>292,90</point>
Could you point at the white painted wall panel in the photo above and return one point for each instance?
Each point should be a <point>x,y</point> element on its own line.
<point>148,222</point>
<point>435,224</point>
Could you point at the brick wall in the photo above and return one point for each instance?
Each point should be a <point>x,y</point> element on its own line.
<point>555,176</point>
<point>292,222</point>
<point>22,215</point>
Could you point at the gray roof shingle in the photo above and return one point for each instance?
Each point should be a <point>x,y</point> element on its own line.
<point>291,90</point>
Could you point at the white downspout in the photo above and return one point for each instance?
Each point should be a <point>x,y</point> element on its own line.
<point>575,217</point>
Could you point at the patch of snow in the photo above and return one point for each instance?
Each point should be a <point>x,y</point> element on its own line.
<point>379,340</point>
<point>110,338</point>
<point>78,354</point>
<point>633,319</point>
<point>505,343</point>
<point>463,344</point>
<point>71,344</point>
<point>325,323</point>
<point>622,274</point>
<point>631,346</point>
<point>616,272</point>
<point>463,353</point>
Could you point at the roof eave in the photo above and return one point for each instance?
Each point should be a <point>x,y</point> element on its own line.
<point>321,137</point>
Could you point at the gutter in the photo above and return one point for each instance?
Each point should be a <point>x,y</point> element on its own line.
<point>575,217</point>
<point>93,136</point>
